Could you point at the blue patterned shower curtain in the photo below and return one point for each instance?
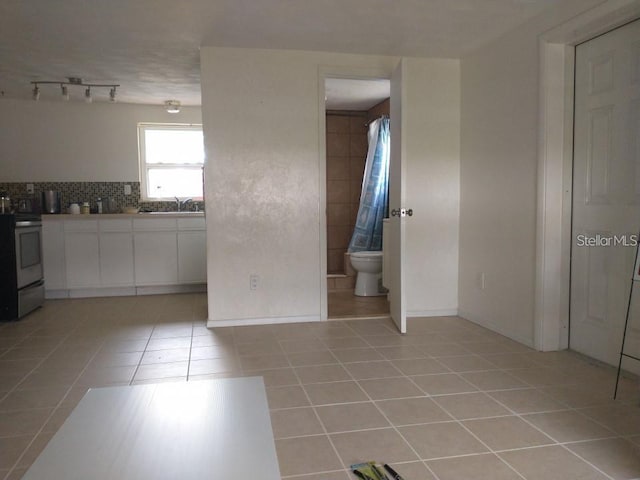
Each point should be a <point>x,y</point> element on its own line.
<point>374,198</point>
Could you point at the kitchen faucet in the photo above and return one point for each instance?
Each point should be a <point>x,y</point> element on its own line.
<point>181,203</point>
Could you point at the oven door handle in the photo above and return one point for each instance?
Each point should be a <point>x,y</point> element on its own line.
<point>28,223</point>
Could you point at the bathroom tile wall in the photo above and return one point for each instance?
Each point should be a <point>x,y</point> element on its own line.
<point>346,156</point>
<point>79,192</point>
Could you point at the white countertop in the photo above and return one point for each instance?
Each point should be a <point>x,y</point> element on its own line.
<point>98,216</point>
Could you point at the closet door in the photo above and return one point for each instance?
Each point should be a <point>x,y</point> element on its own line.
<point>606,191</point>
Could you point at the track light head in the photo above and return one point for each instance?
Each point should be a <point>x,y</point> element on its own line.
<point>87,95</point>
<point>172,106</point>
<point>64,91</point>
<point>112,94</point>
<point>36,92</point>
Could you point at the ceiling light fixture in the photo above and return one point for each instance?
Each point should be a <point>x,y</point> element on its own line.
<point>75,82</point>
<point>172,106</point>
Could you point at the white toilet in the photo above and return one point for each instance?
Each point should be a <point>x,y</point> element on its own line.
<point>369,268</point>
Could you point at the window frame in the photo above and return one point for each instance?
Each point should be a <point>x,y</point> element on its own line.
<point>144,167</point>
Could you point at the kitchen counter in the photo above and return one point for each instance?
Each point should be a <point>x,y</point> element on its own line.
<point>98,216</point>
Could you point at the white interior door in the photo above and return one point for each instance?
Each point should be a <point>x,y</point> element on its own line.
<point>606,191</point>
<point>396,235</point>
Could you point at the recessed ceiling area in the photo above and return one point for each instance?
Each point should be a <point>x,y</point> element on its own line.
<point>151,47</point>
<point>355,94</point>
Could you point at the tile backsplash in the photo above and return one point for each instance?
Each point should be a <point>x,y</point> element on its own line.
<point>80,192</point>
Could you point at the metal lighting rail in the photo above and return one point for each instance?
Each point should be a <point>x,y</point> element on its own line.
<point>74,82</point>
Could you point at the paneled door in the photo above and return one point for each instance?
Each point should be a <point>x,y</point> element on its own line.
<point>606,191</point>
<point>395,251</point>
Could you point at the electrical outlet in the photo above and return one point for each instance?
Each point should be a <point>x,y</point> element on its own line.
<point>127,189</point>
<point>254,280</point>
<point>30,188</point>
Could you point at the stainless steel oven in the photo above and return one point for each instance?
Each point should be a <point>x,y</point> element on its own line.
<point>20,265</point>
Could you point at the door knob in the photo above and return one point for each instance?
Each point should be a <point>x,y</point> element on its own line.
<point>402,212</point>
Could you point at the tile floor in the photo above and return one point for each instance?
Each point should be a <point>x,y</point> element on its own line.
<point>450,400</point>
<point>344,304</point>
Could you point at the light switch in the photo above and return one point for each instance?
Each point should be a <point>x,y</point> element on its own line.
<point>127,189</point>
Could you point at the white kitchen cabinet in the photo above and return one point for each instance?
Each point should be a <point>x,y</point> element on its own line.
<point>116,253</point>
<point>55,277</point>
<point>82,259</point>
<point>192,257</point>
<point>156,258</point>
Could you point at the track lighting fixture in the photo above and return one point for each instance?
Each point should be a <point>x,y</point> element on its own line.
<point>172,106</point>
<point>75,82</point>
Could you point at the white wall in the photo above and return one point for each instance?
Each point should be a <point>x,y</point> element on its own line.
<point>75,141</point>
<point>261,124</point>
<point>432,128</point>
<point>499,155</point>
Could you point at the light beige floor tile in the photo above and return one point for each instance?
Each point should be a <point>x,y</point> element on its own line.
<point>344,342</point>
<point>303,359</point>
<point>286,397</point>
<point>394,387</point>
<point>112,359</point>
<point>342,475</point>
<point>568,426</point>
<point>401,352</point>
<point>357,354</point>
<point>11,448</point>
<point>275,377</point>
<point>504,433</point>
<point>261,362</point>
<point>298,346</point>
<point>336,392</point>
<point>443,349</point>
<point>23,422</point>
<point>167,343</point>
<point>550,463</point>
<point>492,380</point>
<point>615,457</point>
<point>165,356</point>
<point>213,351</point>
<point>412,470</point>
<point>301,455</point>
<point>478,467</point>
<point>437,440</point>
<point>58,417</point>
<point>366,370</point>
<point>162,370</point>
<point>213,365</point>
<point>355,447</point>
<point>322,373</point>
<point>510,360</point>
<point>36,398</point>
<point>466,363</point>
<point>420,366</point>
<point>351,416</point>
<point>35,449</point>
<point>124,346</point>
<point>48,379</point>
<point>294,422</point>
<point>542,376</point>
<point>148,381</point>
<point>98,377</point>
<point>268,347</point>
<point>18,367</point>
<point>471,405</point>
<point>409,411</point>
<point>623,419</point>
<point>529,400</point>
<point>443,384</point>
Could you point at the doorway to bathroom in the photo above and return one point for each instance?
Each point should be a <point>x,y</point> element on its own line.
<point>351,106</point>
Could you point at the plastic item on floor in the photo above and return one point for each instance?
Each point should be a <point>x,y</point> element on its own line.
<point>368,471</point>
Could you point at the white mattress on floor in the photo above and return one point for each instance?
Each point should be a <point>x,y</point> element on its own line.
<point>187,431</point>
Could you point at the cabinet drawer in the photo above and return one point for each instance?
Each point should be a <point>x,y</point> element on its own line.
<point>191,223</point>
<point>154,224</point>
<point>115,225</point>
<point>81,225</point>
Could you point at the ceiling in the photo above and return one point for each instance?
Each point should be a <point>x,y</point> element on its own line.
<point>355,95</point>
<point>151,47</point>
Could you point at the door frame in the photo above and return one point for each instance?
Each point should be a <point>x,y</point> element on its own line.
<point>324,72</point>
<point>555,165</point>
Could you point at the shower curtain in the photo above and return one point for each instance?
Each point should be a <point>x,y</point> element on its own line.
<point>374,197</point>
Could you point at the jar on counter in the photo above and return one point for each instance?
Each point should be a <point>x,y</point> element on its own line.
<point>85,209</point>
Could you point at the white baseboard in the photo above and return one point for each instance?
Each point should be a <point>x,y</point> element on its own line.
<point>445,312</point>
<point>56,294</point>
<point>262,321</point>
<point>102,292</point>
<point>124,291</point>
<point>496,328</point>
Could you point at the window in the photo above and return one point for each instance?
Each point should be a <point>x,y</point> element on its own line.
<point>171,161</point>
